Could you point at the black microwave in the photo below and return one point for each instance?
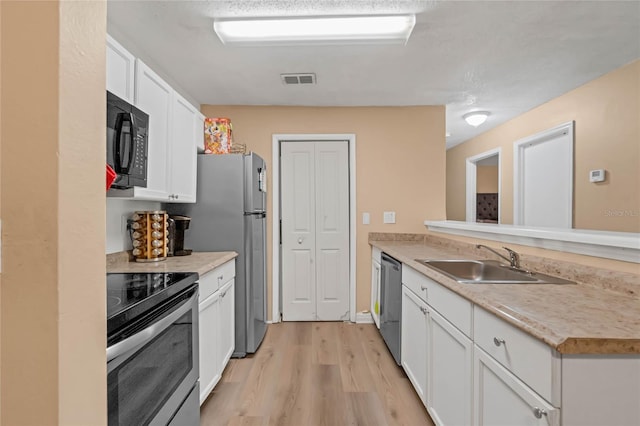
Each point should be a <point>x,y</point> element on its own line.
<point>127,142</point>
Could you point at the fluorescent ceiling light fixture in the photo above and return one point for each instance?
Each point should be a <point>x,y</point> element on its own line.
<point>316,30</point>
<point>476,118</point>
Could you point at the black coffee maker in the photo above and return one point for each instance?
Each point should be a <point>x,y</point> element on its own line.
<point>177,225</point>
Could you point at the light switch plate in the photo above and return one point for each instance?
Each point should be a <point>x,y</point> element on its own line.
<point>389,217</point>
<point>597,175</point>
<point>366,218</point>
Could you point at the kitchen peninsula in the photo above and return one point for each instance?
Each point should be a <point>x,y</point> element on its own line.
<point>540,351</point>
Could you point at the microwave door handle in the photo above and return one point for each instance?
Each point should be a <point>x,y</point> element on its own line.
<point>118,149</point>
<point>150,332</point>
<point>132,141</point>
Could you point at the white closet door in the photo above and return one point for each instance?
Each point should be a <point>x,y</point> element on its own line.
<point>298,231</point>
<point>543,179</point>
<point>315,231</point>
<point>332,231</point>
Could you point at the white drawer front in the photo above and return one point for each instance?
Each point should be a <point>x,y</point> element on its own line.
<point>528,358</point>
<point>225,272</point>
<point>456,309</point>
<point>215,279</point>
<point>415,281</point>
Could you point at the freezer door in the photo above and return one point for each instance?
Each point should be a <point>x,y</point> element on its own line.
<point>256,280</point>
<point>255,183</point>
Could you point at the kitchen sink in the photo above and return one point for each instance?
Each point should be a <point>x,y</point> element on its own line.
<point>488,272</point>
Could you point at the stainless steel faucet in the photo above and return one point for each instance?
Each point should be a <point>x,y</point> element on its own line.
<point>513,259</point>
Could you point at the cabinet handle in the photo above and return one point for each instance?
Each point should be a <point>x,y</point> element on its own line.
<point>176,196</point>
<point>223,294</point>
<point>539,412</point>
<point>423,288</point>
<point>499,342</point>
<point>423,310</point>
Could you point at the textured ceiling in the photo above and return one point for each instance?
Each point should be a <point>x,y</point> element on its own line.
<point>505,57</point>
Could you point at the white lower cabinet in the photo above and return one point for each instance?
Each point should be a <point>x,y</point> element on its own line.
<point>217,325</point>
<point>227,323</point>
<point>209,344</point>
<point>502,399</point>
<point>413,340</point>
<point>470,367</point>
<point>450,359</point>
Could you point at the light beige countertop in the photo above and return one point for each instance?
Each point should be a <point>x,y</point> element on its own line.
<point>599,315</point>
<point>200,262</point>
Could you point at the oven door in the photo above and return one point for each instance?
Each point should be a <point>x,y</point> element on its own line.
<point>153,371</point>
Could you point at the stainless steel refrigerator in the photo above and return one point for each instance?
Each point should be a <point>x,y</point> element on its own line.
<point>230,215</point>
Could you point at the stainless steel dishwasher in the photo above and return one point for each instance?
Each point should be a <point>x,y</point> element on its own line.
<point>391,304</point>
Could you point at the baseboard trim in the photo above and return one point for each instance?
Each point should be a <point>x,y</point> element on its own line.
<point>364,318</point>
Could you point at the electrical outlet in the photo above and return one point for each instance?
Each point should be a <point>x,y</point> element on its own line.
<point>126,223</point>
<point>389,217</point>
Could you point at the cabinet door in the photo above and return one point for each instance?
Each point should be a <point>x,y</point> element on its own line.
<point>502,399</point>
<point>154,96</point>
<point>182,159</point>
<point>227,324</point>
<point>375,292</point>
<point>120,70</point>
<point>450,378</point>
<point>413,340</point>
<point>209,335</point>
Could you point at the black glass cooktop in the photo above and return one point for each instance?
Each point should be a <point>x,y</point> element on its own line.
<point>131,295</point>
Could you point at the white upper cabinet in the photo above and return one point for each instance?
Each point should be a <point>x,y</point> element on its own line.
<point>176,128</point>
<point>155,97</point>
<point>120,70</point>
<point>182,155</point>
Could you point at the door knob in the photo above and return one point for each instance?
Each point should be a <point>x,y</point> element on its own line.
<point>300,240</point>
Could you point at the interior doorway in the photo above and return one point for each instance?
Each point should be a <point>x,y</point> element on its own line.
<point>314,227</point>
<point>314,212</point>
<point>543,178</point>
<point>483,187</point>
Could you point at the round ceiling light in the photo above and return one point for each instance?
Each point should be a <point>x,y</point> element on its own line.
<point>476,118</point>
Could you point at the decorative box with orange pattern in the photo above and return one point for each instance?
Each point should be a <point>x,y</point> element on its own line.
<point>217,135</point>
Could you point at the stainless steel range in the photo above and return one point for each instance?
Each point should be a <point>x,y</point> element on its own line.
<point>152,349</point>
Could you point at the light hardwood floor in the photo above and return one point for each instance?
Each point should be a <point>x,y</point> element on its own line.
<point>315,373</point>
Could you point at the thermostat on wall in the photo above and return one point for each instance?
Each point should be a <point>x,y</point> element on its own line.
<point>596,175</point>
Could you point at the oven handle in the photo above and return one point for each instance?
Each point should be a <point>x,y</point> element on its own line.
<point>150,332</point>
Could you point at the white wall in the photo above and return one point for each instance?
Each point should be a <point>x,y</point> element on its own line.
<point>117,213</point>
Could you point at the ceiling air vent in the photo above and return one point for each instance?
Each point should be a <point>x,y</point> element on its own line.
<point>307,78</point>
